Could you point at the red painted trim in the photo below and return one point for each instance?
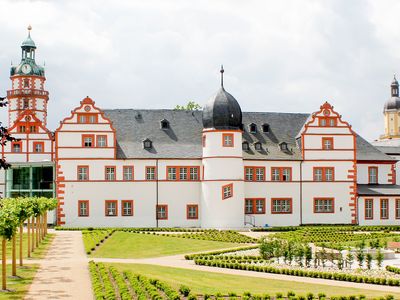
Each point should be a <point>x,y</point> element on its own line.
<point>77,172</point>
<point>155,173</point>
<point>34,147</point>
<point>232,137</point>
<point>222,130</point>
<point>122,208</point>
<point>16,143</point>
<point>381,208</point>
<point>166,211</point>
<point>372,208</point>
<point>323,173</point>
<point>116,208</point>
<point>188,206</point>
<point>281,169</point>
<point>178,170</point>
<point>84,136</point>
<point>254,173</point>
<point>254,206</point>
<point>397,208</point>
<point>97,141</point>
<point>324,198</point>
<point>369,176</point>
<point>132,173</point>
<point>277,199</point>
<point>79,208</point>
<point>86,116</point>
<point>230,195</point>
<point>105,173</point>
<point>332,147</point>
<point>204,140</point>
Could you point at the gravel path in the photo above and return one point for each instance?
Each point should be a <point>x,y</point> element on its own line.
<point>63,273</point>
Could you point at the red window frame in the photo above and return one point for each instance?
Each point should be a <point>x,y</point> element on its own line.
<point>106,210</point>
<point>79,208</point>
<point>122,208</point>
<point>230,185</point>
<point>105,173</point>
<point>132,172</point>
<point>204,140</point>
<point>165,206</point>
<point>397,208</point>
<point>327,121</point>
<point>281,173</point>
<point>34,147</point>
<point>330,139</point>
<point>188,207</point>
<point>324,198</point>
<point>178,173</point>
<point>253,172</point>
<point>87,116</point>
<point>370,200</point>
<point>281,212</point>
<point>254,206</point>
<point>16,143</point>
<point>155,173</point>
<point>231,135</point>
<point>84,136</point>
<point>387,208</point>
<point>77,172</point>
<point>369,174</point>
<point>323,173</point>
<point>97,141</point>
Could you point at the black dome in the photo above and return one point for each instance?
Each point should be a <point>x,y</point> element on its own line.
<point>392,103</point>
<point>222,111</point>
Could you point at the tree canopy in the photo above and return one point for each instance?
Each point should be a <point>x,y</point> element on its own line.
<point>5,136</point>
<point>191,105</point>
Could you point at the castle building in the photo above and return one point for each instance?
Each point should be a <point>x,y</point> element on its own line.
<point>215,168</point>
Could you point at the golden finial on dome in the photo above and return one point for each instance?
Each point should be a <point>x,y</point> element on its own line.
<point>29,27</point>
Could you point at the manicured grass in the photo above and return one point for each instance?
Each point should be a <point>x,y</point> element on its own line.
<point>138,245</point>
<point>18,286</point>
<point>39,252</point>
<point>207,282</point>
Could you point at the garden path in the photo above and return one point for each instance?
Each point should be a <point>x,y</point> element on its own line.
<point>63,273</point>
<point>178,261</point>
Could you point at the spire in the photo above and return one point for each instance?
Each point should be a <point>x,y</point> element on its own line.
<point>29,30</point>
<point>394,87</point>
<point>222,76</point>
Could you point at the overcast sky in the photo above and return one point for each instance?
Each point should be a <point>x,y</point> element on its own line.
<point>286,56</point>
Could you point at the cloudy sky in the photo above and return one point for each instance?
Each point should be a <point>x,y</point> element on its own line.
<point>286,56</point>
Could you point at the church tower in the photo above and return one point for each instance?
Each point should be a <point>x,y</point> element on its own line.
<point>391,112</point>
<point>222,198</point>
<point>27,92</point>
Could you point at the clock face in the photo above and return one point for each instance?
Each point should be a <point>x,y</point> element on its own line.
<point>26,68</point>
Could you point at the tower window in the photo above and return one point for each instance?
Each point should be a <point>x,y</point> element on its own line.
<point>26,83</point>
<point>245,146</point>
<point>25,104</point>
<point>227,139</point>
<point>227,191</point>
<point>164,124</point>
<point>147,144</point>
<point>253,128</point>
<point>258,146</point>
<point>265,128</point>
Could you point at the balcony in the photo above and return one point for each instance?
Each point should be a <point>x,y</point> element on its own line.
<point>26,92</point>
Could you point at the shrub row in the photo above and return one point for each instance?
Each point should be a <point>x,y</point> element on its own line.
<point>109,292</point>
<point>92,239</point>
<point>218,252</point>
<point>136,286</point>
<point>299,272</point>
<point>96,281</point>
<point>122,287</point>
<point>156,229</point>
<point>393,269</point>
<point>221,236</point>
<point>335,227</point>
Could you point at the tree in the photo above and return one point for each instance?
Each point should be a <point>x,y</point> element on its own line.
<point>379,258</point>
<point>360,256</point>
<point>5,136</point>
<point>349,258</point>
<point>191,105</point>
<point>369,260</point>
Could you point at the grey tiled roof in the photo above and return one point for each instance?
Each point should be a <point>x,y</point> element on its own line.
<point>377,190</point>
<point>183,138</point>
<point>390,150</point>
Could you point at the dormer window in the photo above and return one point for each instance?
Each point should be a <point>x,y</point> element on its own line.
<point>147,144</point>
<point>258,146</point>
<point>265,127</point>
<point>283,146</point>
<point>245,146</point>
<point>164,124</point>
<point>253,128</point>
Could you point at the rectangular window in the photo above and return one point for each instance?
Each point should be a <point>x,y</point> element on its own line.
<point>88,140</point>
<point>83,173</point>
<point>254,173</point>
<point>92,119</point>
<point>327,143</point>
<point>227,191</point>
<point>204,140</point>
<point>110,173</point>
<point>227,140</point>
<point>16,147</point>
<point>327,121</point>
<point>127,208</point>
<point>254,206</point>
<point>281,174</point>
<point>32,129</point>
<point>162,212</point>
<point>87,118</point>
<point>150,173</point>
<point>183,173</point>
<point>192,211</point>
<point>38,147</point>
<point>397,214</point>
<point>369,209</point>
<point>373,175</point>
<point>21,129</point>
<point>324,173</point>
<point>111,208</point>
<point>324,205</point>
<point>26,83</point>
<point>101,141</point>
<point>384,208</point>
<point>128,173</point>
<point>281,205</point>
<point>83,208</point>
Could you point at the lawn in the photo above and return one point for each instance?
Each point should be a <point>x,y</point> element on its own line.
<point>207,282</point>
<point>138,245</point>
<point>37,254</point>
<point>19,286</point>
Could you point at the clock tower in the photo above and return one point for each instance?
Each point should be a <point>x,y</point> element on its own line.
<point>27,92</point>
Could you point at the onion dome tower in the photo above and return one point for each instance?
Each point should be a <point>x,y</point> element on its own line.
<point>391,110</point>
<point>27,91</point>
<point>222,186</point>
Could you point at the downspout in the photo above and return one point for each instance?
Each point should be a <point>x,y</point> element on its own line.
<point>301,192</point>
<point>156,191</point>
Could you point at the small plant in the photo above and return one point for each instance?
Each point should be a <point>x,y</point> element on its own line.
<point>184,290</point>
<point>369,260</point>
<point>379,258</point>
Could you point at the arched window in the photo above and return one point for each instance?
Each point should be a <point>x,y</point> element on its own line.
<point>164,124</point>
<point>147,144</point>
<point>265,127</point>
<point>258,146</point>
<point>253,128</point>
<point>245,146</point>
